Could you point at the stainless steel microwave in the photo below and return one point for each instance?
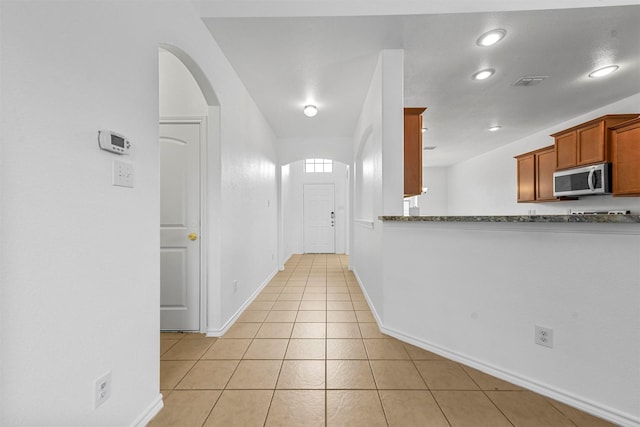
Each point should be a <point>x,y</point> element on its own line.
<point>587,180</point>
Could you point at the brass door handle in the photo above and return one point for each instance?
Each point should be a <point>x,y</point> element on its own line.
<point>192,236</point>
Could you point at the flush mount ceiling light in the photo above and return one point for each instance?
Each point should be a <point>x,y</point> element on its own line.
<point>491,37</point>
<point>495,128</point>
<point>310,110</point>
<point>601,72</point>
<point>483,74</point>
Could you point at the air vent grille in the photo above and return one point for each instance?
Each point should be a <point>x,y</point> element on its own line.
<point>528,81</point>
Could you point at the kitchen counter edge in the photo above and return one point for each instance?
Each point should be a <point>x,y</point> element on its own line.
<point>581,219</point>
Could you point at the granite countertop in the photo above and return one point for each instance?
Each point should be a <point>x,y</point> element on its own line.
<point>583,219</point>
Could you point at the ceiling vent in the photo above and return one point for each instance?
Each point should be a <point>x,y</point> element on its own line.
<point>530,81</point>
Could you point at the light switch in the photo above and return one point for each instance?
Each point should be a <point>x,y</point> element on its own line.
<point>122,174</point>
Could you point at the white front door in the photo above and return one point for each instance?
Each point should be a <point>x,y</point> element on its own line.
<point>319,219</point>
<point>180,226</point>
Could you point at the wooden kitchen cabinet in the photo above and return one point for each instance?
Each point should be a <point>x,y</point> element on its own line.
<point>625,157</point>
<point>535,175</point>
<point>587,143</point>
<point>413,151</point>
<point>566,151</point>
<point>545,166</point>
<point>526,177</point>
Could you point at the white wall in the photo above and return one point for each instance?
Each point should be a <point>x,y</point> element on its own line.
<point>80,258</point>
<point>474,291</point>
<point>294,149</point>
<point>294,179</point>
<point>377,171</point>
<point>179,93</point>
<point>435,200</point>
<point>486,185</point>
<point>287,242</point>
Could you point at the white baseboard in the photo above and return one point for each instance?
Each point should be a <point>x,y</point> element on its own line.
<point>285,261</point>
<point>594,408</point>
<point>151,411</point>
<point>229,323</point>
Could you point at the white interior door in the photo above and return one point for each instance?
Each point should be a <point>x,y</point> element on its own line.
<point>180,226</point>
<point>319,218</point>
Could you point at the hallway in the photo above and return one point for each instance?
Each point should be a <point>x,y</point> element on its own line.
<point>307,352</point>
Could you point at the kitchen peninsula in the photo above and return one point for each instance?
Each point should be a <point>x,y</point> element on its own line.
<point>474,288</point>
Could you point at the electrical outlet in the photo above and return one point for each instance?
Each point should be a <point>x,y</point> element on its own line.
<point>122,174</point>
<point>235,286</point>
<point>102,389</point>
<point>544,336</point>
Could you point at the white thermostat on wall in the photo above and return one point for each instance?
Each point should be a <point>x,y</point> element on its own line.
<point>114,142</point>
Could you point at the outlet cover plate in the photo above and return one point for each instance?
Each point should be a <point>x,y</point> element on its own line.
<point>102,389</point>
<point>544,336</point>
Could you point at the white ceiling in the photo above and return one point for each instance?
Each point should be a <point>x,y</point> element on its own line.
<point>288,61</point>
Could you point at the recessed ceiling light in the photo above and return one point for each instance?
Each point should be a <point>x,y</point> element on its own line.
<point>483,74</point>
<point>491,37</point>
<point>495,128</point>
<point>601,72</point>
<point>310,110</point>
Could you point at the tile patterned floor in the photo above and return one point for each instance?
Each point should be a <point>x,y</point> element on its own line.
<point>307,352</point>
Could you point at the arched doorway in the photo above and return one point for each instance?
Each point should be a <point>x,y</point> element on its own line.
<point>184,110</point>
<point>299,184</point>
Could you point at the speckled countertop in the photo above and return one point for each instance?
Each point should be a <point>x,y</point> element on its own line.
<point>584,219</point>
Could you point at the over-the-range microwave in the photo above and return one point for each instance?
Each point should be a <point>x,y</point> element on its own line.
<point>582,181</point>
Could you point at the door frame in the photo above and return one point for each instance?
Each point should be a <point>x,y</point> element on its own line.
<point>201,121</point>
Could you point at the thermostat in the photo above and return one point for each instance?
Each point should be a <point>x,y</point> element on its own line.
<point>114,142</point>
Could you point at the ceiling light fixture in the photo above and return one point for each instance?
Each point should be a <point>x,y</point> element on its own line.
<point>601,72</point>
<point>491,37</point>
<point>495,128</point>
<point>483,74</point>
<point>424,130</point>
<point>310,110</point>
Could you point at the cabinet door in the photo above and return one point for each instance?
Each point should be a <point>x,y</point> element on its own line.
<point>566,147</point>
<point>526,178</point>
<point>545,166</point>
<point>413,151</point>
<point>591,144</point>
<point>626,160</point>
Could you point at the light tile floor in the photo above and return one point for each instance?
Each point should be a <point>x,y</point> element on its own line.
<point>307,352</point>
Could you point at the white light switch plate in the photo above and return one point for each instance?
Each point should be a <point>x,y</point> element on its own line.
<point>122,174</point>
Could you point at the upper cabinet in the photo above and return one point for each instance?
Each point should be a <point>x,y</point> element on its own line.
<point>587,143</point>
<point>526,177</point>
<point>545,166</point>
<point>535,175</point>
<point>413,151</point>
<point>625,157</point>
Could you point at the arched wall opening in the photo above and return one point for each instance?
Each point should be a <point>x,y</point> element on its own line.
<point>194,72</point>
<point>293,179</point>
<point>186,96</point>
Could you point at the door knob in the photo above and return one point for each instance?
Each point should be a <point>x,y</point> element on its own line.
<point>193,236</point>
